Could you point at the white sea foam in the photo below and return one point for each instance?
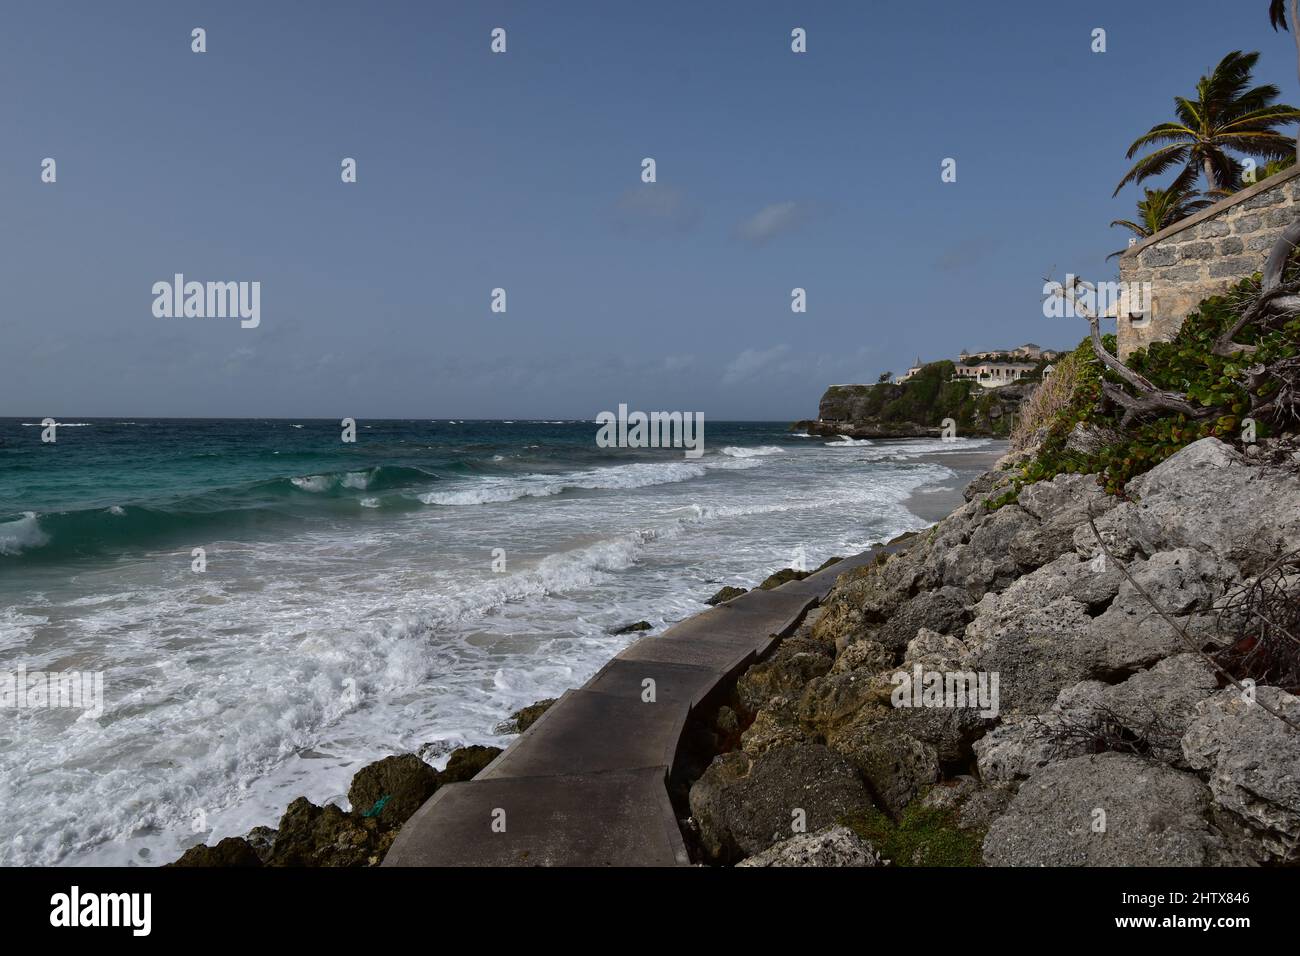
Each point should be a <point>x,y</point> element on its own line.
<point>18,536</point>
<point>314,483</point>
<point>733,451</point>
<point>492,490</point>
<point>844,441</point>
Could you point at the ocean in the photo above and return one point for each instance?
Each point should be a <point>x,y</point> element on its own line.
<point>354,600</point>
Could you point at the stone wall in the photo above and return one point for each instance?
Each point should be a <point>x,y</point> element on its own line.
<point>1205,254</point>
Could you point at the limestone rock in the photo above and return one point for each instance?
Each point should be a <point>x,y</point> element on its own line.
<point>1036,653</point>
<point>744,805</point>
<point>392,789</point>
<point>776,724</point>
<point>863,655</point>
<point>789,669</point>
<point>896,764</point>
<point>1254,764</point>
<point>1160,703</point>
<point>1208,498</point>
<point>726,594</point>
<point>525,717</point>
<point>943,610</point>
<point>1186,583</point>
<point>1153,816</point>
<point>309,835</point>
<point>232,851</point>
<point>935,651</point>
<point>465,763</point>
<point>829,846</point>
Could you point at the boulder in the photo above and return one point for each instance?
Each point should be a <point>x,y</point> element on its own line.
<point>1036,651</point>
<point>985,563</point>
<point>1022,744</point>
<point>1253,761</point>
<point>1207,497</point>
<point>466,762</point>
<point>943,611</point>
<point>309,835</point>
<point>863,655</point>
<point>778,578</point>
<point>775,725</point>
<point>1061,506</point>
<point>392,789</point>
<point>1159,704</point>
<point>785,673</point>
<point>525,717</point>
<point>232,851</point>
<point>866,597</point>
<point>1107,810</point>
<point>1186,584</point>
<point>834,699</point>
<point>829,846</point>
<point>935,651</point>
<point>897,765</point>
<point>743,805</point>
<point>974,804</point>
<point>726,594</point>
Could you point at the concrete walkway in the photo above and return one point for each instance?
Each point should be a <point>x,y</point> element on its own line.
<point>586,784</point>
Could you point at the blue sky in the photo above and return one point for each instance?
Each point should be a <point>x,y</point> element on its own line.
<point>522,171</point>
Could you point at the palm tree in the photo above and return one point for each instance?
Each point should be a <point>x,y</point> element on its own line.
<point>1227,114</point>
<point>1163,207</point>
<point>1277,11</point>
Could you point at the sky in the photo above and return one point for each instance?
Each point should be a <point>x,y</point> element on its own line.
<point>522,171</point>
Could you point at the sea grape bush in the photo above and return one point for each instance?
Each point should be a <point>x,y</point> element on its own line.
<point>1187,364</point>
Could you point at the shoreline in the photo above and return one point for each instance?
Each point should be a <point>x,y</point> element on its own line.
<point>405,782</point>
<point>933,503</point>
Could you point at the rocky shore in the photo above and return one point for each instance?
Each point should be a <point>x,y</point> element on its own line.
<point>1115,738</point>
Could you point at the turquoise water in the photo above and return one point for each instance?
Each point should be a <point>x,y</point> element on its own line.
<point>357,600</point>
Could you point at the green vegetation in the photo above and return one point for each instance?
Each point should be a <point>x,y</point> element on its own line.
<point>923,836</point>
<point>927,398</point>
<point>1188,365</point>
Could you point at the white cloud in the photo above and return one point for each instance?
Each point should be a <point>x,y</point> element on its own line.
<point>771,221</point>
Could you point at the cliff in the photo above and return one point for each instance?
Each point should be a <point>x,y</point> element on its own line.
<point>917,408</point>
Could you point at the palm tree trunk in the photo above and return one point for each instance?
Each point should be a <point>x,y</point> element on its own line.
<point>1211,182</point>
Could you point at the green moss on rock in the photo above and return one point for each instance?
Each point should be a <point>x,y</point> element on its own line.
<point>922,836</point>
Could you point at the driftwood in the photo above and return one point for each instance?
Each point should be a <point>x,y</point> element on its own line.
<point>1149,398</point>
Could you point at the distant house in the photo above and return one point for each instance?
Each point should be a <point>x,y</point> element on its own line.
<point>911,371</point>
<point>996,366</point>
<point>993,374</point>
<point>1029,350</point>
